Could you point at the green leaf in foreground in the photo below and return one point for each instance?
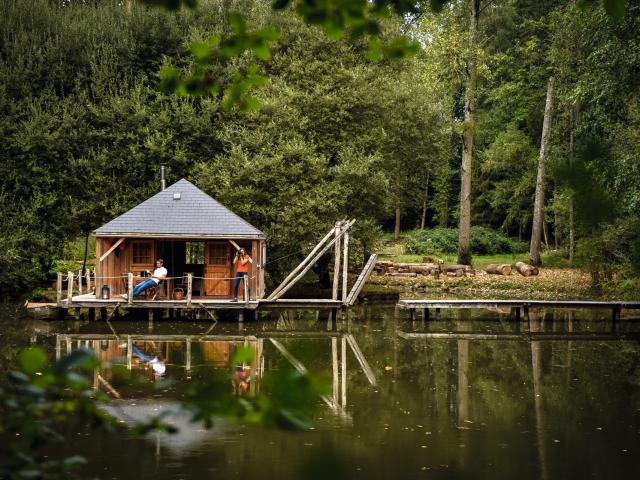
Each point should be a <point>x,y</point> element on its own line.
<point>33,360</point>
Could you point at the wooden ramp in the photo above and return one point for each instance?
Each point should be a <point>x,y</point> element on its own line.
<point>362,279</point>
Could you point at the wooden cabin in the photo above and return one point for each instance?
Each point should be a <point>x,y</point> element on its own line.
<point>192,233</point>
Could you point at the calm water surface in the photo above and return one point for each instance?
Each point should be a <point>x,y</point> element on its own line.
<point>403,405</point>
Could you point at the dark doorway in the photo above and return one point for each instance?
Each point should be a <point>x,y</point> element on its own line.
<point>183,257</point>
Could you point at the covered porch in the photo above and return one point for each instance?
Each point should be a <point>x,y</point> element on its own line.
<point>196,237</point>
<point>201,269</point>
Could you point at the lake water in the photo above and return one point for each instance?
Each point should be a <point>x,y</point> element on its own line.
<point>402,405</point>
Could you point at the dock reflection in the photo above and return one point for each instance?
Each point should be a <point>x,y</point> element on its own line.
<point>186,358</point>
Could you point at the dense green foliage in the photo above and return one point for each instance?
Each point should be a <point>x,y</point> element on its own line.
<point>484,241</point>
<point>85,125</point>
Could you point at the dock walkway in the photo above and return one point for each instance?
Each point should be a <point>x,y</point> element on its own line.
<point>515,305</point>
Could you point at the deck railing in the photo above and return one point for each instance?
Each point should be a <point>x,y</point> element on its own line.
<point>83,282</point>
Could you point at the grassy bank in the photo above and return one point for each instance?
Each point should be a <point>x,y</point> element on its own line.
<point>555,281</point>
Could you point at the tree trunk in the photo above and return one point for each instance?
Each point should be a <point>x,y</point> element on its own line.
<point>86,247</point>
<point>536,230</point>
<point>424,203</point>
<point>464,226</point>
<point>545,232</point>
<point>396,234</point>
<point>572,238</point>
<point>557,230</point>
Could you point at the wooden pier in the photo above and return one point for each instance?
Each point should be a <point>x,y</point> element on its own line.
<point>517,306</point>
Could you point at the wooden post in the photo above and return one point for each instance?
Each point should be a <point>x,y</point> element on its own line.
<point>336,264</point>
<point>129,352</point>
<point>615,314</point>
<point>345,266</point>
<point>263,261</point>
<point>130,288</point>
<point>245,288</point>
<point>334,364</point>
<point>254,269</point>
<point>59,289</point>
<point>88,275</point>
<point>343,382</point>
<point>69,289</point>
<point>80,281</point>
<point>188,353</point>
<point>189,288</point>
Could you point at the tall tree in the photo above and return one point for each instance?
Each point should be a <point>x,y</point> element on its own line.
<point>464,228</point>
<point>538,205</point>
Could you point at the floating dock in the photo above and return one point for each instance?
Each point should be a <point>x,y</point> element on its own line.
<point>516,305</point>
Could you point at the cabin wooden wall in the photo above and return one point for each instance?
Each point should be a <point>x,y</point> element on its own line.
<point>118,263</point>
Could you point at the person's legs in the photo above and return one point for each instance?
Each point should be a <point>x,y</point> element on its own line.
<point>245,278</point>
<point>142,286</point>
<point>236,284</point>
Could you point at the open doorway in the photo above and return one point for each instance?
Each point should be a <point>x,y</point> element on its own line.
<point>183,257</point>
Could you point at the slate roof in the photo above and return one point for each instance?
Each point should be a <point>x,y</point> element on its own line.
<point>194,215</point>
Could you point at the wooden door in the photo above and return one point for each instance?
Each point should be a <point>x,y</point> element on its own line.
<point>217,270</point>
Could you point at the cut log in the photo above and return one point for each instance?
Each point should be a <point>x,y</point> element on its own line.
<point>403,274</point>
<point>526,270</point>
<point>456,268</point>
<point>423,268</point>
<point>499,269</point>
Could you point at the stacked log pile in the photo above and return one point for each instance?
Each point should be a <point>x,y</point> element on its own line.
<point>409,270</point>
<point>393,269</point>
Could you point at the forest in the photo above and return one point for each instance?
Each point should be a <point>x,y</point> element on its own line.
<point>452,135</point>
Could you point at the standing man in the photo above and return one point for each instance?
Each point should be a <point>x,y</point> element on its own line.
<point>242,260</point>
<point>160,273</point>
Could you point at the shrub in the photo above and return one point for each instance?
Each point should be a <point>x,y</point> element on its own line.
<point>484,241</point>
<point>613,253</point>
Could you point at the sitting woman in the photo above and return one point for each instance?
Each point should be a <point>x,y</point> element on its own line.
<point>160,273</point>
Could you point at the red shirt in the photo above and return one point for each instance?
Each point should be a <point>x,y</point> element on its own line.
<point>243,264</point>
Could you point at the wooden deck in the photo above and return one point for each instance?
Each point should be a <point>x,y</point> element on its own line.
<point>301,303</point>
<point>90,301</point>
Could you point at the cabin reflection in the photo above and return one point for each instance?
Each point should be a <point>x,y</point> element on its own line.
<point>186,358</point>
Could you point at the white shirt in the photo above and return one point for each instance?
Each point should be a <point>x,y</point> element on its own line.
<point>158,273</point>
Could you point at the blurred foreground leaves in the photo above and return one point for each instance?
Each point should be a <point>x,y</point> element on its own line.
<point>41,398</point>
<point>38,401</point>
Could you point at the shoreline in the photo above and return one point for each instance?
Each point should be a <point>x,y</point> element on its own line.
<point>551,283</point>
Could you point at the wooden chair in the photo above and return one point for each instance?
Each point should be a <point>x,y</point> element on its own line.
<point>158,290</point>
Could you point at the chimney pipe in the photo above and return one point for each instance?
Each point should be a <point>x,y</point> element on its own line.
<point>163,184</point>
